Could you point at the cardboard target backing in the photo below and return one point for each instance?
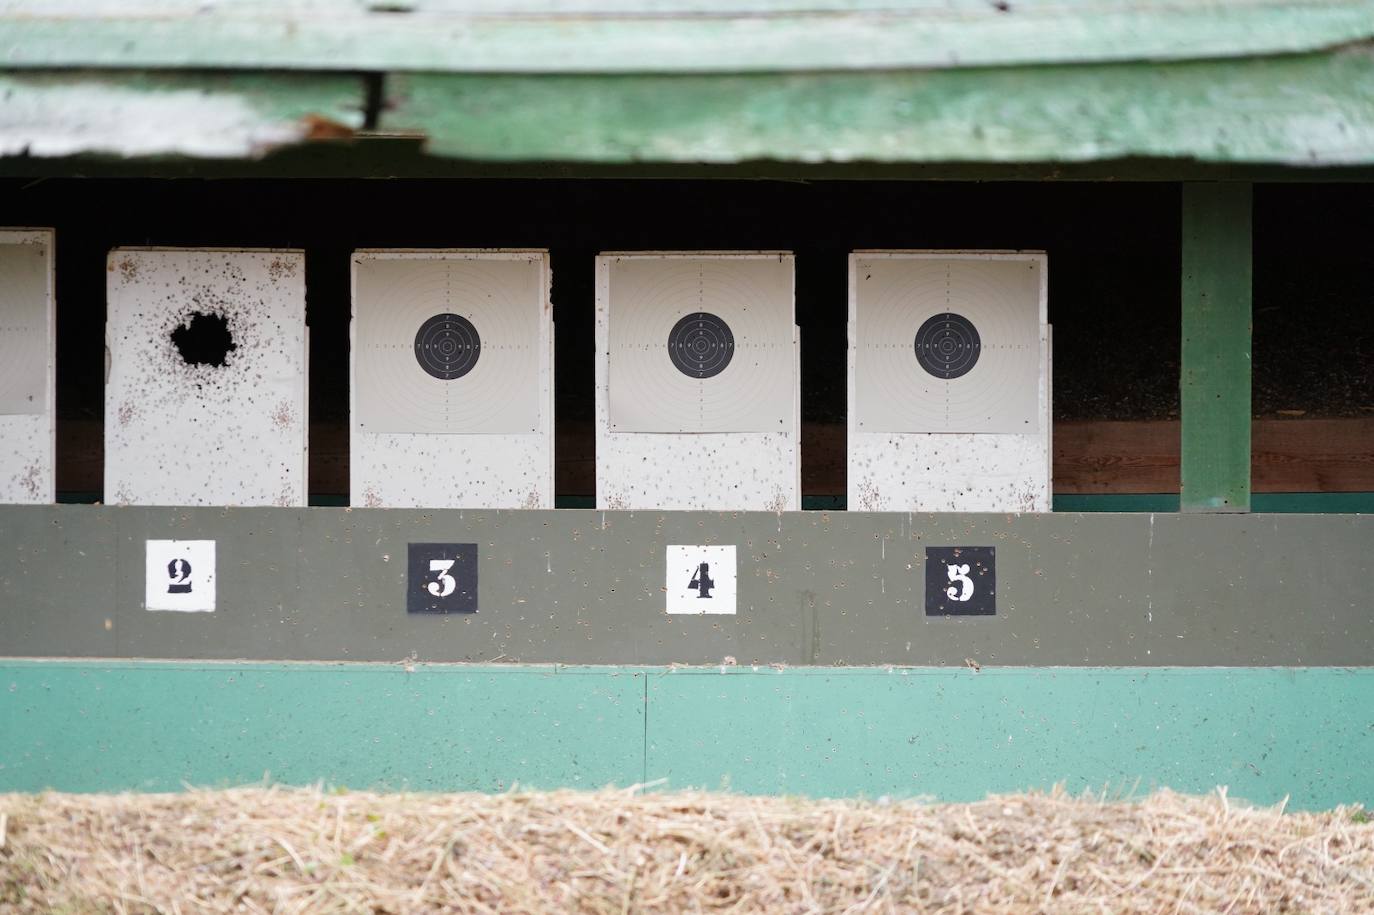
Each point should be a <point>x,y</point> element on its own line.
<point>697,381</point>
<point>452,379</point>
<point>205,402</point>
<point>27,338</point>
<point>949,384</point>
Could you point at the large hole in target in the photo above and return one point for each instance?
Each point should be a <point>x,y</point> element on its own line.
<point>204,340</point>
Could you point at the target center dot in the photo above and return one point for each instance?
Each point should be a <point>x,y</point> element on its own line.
<point>447,346</point>
<point>701,345</point>
<point>947,345</point>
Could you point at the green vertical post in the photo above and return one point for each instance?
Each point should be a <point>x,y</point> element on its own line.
<point>1215,373</point>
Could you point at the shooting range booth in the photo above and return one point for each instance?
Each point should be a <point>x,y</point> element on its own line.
<point>825,397</point>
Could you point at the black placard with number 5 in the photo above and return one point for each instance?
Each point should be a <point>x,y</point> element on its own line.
<point>442,578</point>
<point>961,581</point>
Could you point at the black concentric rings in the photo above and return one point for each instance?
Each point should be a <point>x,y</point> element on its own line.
<point>701,345</point>
<point>947,345</point>
<point>447,346</point>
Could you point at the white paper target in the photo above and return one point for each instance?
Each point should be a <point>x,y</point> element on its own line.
<point>924,467</point>
<point>26,366</point>
<point>453,353</point>
<point>448,343</point>
<point>948,344</point>
<point>701,344</point>
<point>205,403</point>
<point>697,392</point>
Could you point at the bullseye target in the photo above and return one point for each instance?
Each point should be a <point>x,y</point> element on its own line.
<point>447,346</point>
<point>700,343</point>
<point>448,342</point>
<point>947,343</point>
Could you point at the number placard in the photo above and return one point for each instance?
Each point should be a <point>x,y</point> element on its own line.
<point>179,575</point>
<point>961,581</point>
<point>700,579</point>
<point>441,578</point>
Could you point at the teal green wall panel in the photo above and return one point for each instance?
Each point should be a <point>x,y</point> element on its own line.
<point>1281,503</point>
<point>158,726</point>
<point>1349,503</point>
<point>1266,733</point>
<point>1116,502</point>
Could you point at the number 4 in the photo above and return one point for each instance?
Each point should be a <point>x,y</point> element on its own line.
<point>445,584</point>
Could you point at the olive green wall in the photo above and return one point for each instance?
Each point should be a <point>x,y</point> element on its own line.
<point>587,587</point>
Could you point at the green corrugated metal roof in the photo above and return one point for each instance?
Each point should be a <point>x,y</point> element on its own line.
<point>1315,109</point>
<point>682,81</point>
<point>661,36</point>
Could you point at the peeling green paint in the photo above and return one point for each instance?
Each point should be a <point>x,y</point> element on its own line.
<point>1308,110</point>
<point>544,36</point>
<point>142,114</point>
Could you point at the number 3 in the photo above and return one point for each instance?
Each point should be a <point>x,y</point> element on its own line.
<point>445,584</point>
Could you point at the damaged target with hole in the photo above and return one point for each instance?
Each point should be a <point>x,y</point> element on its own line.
<point>447,346</point>
<point>701,345</point>
<point>947,345</point>
<point>205,401</point>
<point>204,339</point>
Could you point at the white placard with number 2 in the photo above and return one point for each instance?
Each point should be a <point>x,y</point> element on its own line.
<point>180,575</point>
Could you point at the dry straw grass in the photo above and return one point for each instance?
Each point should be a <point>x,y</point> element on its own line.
<point>292,850</point>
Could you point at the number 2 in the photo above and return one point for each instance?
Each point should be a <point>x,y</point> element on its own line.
<point>445,584</point>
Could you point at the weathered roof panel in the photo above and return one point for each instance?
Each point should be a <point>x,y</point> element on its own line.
<point>1310,110</point>
<point>660,36</point>
<point>203,115</point>
<point>699,81</point>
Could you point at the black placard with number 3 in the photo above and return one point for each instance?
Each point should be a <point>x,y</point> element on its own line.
<point>441,578</point>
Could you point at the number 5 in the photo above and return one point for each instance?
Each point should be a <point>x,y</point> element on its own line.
<point>445,585</point>
<point>958,575</point>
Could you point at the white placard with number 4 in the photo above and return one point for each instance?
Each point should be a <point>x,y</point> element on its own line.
<point>700,579</point>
